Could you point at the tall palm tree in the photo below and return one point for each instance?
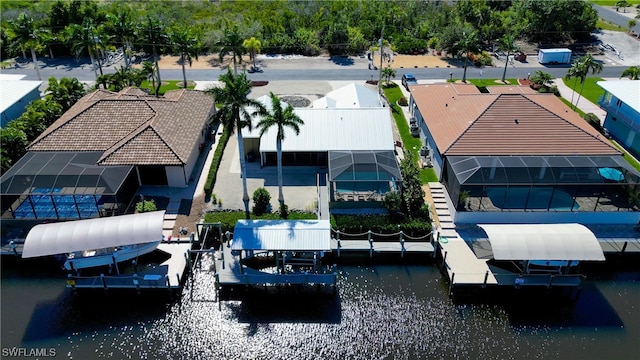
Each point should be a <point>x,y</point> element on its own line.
<point>632,72</point>
<point>281,119</point>
<point>79,37</point>
<point>467,43</point>
<point>26,34</point>
<point>579,71</point>
<point>153,37</point>
<point>231,43</point>
<point>507,43</point>
<point>234,115</point>
<point>120,25</point>
<point>187,44</point>
<point>253,46</point>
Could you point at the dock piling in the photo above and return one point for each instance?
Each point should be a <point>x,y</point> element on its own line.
<point>370,243</point>
<point>104,282</point>
<point>136,282</point>
<point>624,247</point>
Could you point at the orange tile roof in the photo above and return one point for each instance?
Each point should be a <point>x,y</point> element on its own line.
<point>467,123</point>
<point>131,127</point>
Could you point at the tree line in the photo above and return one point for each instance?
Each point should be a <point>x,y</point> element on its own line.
<point>188,28</point>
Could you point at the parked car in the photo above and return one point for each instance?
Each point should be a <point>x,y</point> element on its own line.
<point>408,79</point>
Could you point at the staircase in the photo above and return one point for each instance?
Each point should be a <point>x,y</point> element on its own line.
<point>441,208</point>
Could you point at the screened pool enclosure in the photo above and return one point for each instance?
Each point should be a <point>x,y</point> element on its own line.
<point>363,175</point>
<point>542,183</point>
<point>65,185</point>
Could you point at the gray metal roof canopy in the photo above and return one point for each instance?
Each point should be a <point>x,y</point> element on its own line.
<point>543,242</point>
<point>76,173</point>
<point>363,166</point>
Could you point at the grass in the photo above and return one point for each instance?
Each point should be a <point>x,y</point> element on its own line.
<point>410,143</point>
<point>168,85</point>
<point>482,84</point>
<point>591,91</point>
<point>606,25</point>
<point>630,159</point>
<point>568,103</point>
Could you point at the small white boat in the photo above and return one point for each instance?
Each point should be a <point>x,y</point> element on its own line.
<point>107,256</point>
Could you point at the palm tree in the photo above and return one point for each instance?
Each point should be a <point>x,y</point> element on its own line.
<point>79,37</point>
<point>26,34</point>
<point>542,78</point>
<point>231,43</point>
<point>234,115</point>
<point>388,73</point>
<point>507,43</point>
<point>281,119</point>
<point>187,44</point>
<point>632,72</point>
<point>588,64</point>
<point>152,34</point>
<point>253,46</point>
<point>149,72</point>
<point>468,43</point>
<point>120,25</point>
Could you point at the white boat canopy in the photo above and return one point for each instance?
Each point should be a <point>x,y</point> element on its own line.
<point>90,234</point>
<point>284,235</point>
<point>543,242</point>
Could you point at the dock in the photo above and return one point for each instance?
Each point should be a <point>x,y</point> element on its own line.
<point>338,246</point>
<point>169,274</point>
<point>229,272</point>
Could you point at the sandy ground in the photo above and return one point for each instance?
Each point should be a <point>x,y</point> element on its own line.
<point>399,62</point>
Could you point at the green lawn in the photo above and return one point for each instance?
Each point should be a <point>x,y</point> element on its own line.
<point>482,84</point>
<point>606,25</point>
<point>410,143</point>
<point>591,91</point>
<point>167,85</point>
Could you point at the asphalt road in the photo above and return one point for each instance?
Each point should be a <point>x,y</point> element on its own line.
<point>615,17</point>
<point>86,74</point>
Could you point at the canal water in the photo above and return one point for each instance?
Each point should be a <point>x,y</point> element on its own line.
<point>392,311</point>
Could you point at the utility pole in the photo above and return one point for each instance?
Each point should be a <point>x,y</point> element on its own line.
<point>381,42</point>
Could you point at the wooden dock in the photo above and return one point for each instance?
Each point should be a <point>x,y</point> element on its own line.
<point>379,247</point>
<point>169,274</point>
<point>229,272</point>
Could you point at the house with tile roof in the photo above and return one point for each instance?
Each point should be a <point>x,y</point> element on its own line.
<point>515,155</point>
<point>103,148</point>
<point>621,100</point>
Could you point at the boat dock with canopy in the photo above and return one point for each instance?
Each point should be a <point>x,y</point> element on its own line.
<point>111,232</point>
<point>292,249</point>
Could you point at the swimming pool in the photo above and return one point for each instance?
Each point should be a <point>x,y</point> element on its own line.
<point>534,198</point>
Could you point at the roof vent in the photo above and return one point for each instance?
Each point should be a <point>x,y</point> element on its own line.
<point>446,105</point>
<point>516,120</point>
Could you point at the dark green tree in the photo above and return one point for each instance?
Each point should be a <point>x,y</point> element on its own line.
<point>153,36</point>
<point>65,92</point>
<point>411,192</point>
<point>186,43</point>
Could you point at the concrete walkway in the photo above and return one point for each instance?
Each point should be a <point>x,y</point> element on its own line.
<point>583,104</point>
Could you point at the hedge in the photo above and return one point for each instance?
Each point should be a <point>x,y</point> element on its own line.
<point>228,219</point>
<point>381,224</point>
<point>215,164</point>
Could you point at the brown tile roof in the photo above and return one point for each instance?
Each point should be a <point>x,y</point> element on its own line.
<point>485,124</point>
<point>131,127</point>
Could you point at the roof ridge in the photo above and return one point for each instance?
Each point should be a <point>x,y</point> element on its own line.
<point>473,121</point>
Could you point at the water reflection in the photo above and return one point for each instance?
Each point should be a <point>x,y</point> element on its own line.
<point>378,312</point>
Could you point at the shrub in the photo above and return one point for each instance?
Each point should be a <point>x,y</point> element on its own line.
<point>381,224</point>
<point>228,219</point>
<point>482,59</point>
<point>146,206</point>
<point>393,202</point>
<point>261,199</point>
<point>403,101</point>
<point>593,120</point>
<point>284,211</point>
